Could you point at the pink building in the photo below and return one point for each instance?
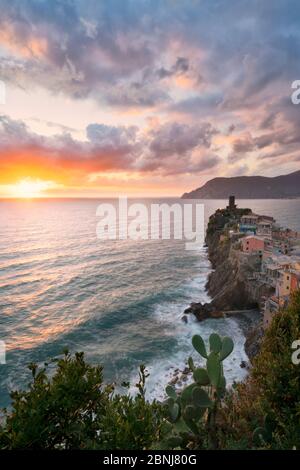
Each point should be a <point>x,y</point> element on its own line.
<point>253,244</point>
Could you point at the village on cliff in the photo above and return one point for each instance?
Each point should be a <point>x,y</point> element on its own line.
<point>275,251</point>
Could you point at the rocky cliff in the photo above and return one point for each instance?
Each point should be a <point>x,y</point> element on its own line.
<point>228,284</point>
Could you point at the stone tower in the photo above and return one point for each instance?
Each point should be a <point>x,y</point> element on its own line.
<point>232,204</point>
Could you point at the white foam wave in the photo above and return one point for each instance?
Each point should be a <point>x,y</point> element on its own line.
<point>169,317</point>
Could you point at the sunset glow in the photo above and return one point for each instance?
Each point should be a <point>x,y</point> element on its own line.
<point>28,188</point>
<point>103,105</point>
<point>149,211</point>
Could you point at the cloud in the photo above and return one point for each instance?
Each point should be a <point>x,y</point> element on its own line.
<point>244,144</point>
<point>241,146</point>
<point>188,62</point>
<point>180,67</point>
<point>175,138</point>
<point>106,148</point>
<point>108,51</point>
<point>206,104</point>
<point>176,148</point>
<point>241,170</point>
<point>110,136</point>
<point>171,149</point>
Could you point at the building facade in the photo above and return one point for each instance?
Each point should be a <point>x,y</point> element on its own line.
<point>253,244</point>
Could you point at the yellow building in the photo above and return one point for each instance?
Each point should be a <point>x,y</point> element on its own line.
<point>283,286</point>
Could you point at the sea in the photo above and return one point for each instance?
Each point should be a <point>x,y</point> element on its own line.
<point>119,301</point>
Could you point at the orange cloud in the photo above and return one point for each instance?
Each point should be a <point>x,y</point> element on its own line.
<point>34,46</point>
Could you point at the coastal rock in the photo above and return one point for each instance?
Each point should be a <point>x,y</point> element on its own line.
<point>184,318</point>
<point>203,311</point>
<point>174,381</point>
<point>229,282</point>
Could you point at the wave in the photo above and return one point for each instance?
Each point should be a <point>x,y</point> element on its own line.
<point>167,365</point>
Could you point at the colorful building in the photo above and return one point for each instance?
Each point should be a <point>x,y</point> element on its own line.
<point>248,223</point>
<point>257,224</point>
<point>280,233</point>
<point>264,228</point>
<point>272,306</point>
<point>279,251</point>
<point>253,244</point>
<point>283,286</point>
<point>295,280</point>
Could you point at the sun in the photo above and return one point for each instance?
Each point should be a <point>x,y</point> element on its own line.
<point>29,188</point>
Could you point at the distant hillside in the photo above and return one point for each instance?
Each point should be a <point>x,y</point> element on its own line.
<point>249,187</point>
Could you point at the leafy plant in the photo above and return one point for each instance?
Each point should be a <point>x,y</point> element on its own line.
<point>193,412</point>
<point>262,435</point>
<point>263,412</point>
<point>73,409</point>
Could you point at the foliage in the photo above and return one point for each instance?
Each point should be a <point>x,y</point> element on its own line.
<point>74,410</point>
<point>130,422</point>
<point>194,412</point>
<point>265,410</point>
<point>277,378</point>
<point>261,413</point>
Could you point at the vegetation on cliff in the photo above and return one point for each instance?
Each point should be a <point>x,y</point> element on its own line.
<point>73,409</point>
<point>264,411</point>
<point>270,398</point>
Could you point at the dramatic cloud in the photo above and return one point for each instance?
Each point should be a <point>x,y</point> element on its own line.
<point>178,139</point>
<point>173,148</point>
<point>215,74</point>
<point>179,68</point>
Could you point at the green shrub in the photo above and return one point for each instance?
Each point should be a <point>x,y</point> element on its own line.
<point>130,422</point>
<point>264,411</point>
<point>73,409</point>
<point>277,378</point>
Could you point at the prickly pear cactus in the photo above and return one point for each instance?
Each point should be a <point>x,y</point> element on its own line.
<point>195,407</point>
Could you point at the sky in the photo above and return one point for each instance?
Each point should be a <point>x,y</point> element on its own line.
<point>145,97</point>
